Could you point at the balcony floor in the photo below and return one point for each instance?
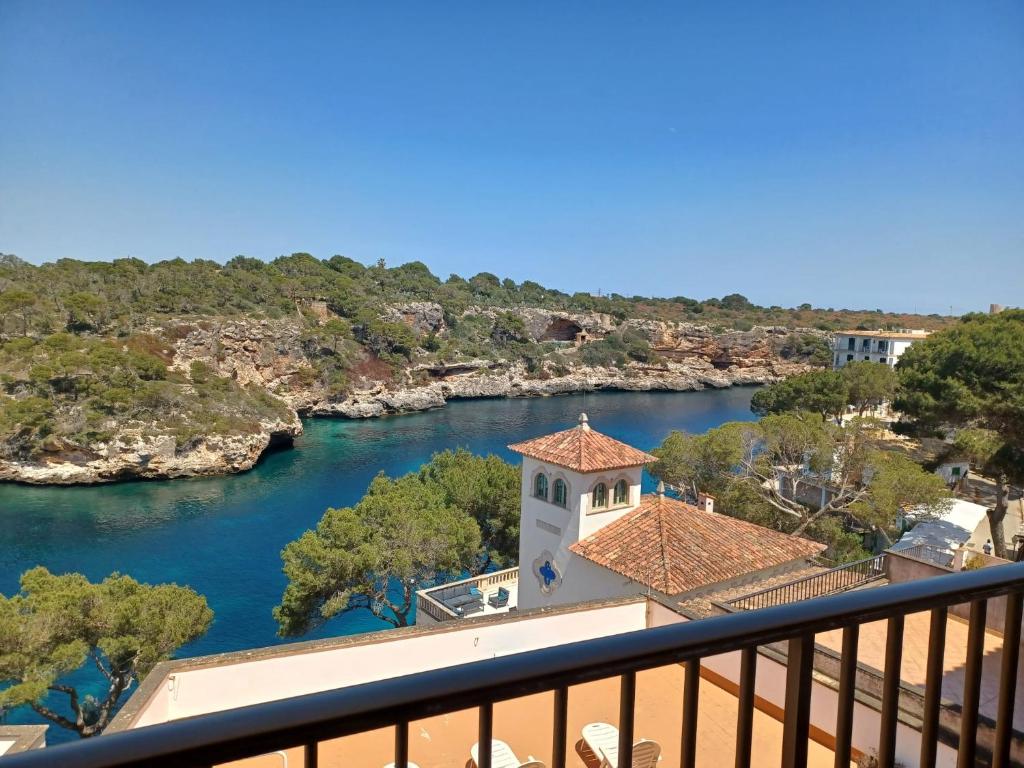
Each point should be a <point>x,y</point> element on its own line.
<point>525,724</point>
<point>871,651</point>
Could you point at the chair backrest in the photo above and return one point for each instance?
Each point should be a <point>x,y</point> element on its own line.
<point>646,753</point>
<point>502,593</point>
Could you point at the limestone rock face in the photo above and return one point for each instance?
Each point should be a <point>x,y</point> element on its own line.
<point>553,324</point>
<point>754,348</point>
<point>133,455</point>
<point>515,381</point>
<point>264,352</point>
<point>274,354</point>
<point>421,316</point>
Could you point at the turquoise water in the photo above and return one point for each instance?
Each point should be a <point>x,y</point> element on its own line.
<point>223,536</point>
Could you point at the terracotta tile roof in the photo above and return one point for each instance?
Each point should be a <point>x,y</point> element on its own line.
<point>581,449</point>
<point>674,547</point>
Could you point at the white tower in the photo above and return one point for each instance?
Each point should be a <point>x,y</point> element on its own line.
<point>574,483</point>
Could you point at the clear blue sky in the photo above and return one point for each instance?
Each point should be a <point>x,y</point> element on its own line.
<point>866,154</point>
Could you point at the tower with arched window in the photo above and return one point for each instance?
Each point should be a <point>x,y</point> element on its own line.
<point>575,482</point>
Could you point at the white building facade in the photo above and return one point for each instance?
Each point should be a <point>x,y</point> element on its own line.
<point>561,506</point>
<point>874,346</point>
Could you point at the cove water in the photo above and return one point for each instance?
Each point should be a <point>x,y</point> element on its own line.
<point>223,536</point>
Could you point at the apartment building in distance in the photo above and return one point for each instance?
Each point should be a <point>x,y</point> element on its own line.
<point>875,346</point>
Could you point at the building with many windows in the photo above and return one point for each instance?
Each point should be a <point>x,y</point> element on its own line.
<point>875,346</point>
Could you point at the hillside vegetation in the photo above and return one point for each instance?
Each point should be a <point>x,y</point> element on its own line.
<point>94,354</point>
<point>68,392</point>
<point>100,296</point>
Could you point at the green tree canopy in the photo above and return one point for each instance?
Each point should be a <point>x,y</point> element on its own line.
<point>822,392</point>
<point>868,384</point>
<point>971,376</point>
<point>486,488</point>
<point>56,624</point>
<point>768,472</point>
<point>402,535</point>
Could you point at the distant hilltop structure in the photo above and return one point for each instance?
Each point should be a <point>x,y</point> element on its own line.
<point>883,347</point>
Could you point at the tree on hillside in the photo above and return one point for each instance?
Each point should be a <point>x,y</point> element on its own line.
<point>17,302</point>
<point>374,556</point>
<point>971,376</point>
<point>868,384</point>
<point>822,392</point>
<point>760,471</point>
<point>56,624</point>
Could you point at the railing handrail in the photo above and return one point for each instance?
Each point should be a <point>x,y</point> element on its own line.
<point>875,562</point>
<point>434,607</point>
<point>491,577</point>
<point>262,728</point>
<point>914,549</point>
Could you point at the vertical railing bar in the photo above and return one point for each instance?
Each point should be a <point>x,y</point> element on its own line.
<point>402,744</point>
<point>559,727</point>
<point>847,686</point>
<point>691,702</point>
<point>972,685</point>
<point>745,716</point>
<point>484,735</point>
<point>797,716</point>
<point>933,688</point>
<point>627,699</point>
<point>1008,679</point>
<point>890,692</point>
<point>311,754</point>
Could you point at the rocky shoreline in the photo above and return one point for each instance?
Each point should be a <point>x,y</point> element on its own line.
<point>137,457</point>
<point>160,458</point>
<point>270,355</point>
<point>674,377</point>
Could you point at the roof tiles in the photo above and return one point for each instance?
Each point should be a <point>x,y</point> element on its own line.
<point>674,547</point>
<point>581,449</point>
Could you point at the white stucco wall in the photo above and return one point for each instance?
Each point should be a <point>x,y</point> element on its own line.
<point>5,745</point>
<point>560,528</point>
<point>237,684</point>
<point>894,348</point>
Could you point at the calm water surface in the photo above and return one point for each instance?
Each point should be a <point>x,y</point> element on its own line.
<point>223,536</point>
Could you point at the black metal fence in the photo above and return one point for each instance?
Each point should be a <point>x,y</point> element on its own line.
<point>308,720</point>
<point>828,582</point>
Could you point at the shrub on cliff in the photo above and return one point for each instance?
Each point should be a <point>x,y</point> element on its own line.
<point>73,390</point>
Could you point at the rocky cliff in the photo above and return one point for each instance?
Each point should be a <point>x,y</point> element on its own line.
<point>692,357</point>
<point>279,357</point>
<point>137,454</point>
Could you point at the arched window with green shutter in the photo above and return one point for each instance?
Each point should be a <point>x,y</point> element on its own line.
<point>540,486</point>
<point>560,493</point>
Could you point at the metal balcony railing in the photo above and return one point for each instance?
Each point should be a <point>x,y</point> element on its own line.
<point>828,582</point>
<point>308,720</point>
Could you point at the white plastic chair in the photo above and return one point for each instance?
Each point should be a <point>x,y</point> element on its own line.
<point>603,740</point>
<point>502,756</point>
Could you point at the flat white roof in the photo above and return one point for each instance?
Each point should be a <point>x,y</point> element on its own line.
<point>949,530</point>
<point>215,683</point>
